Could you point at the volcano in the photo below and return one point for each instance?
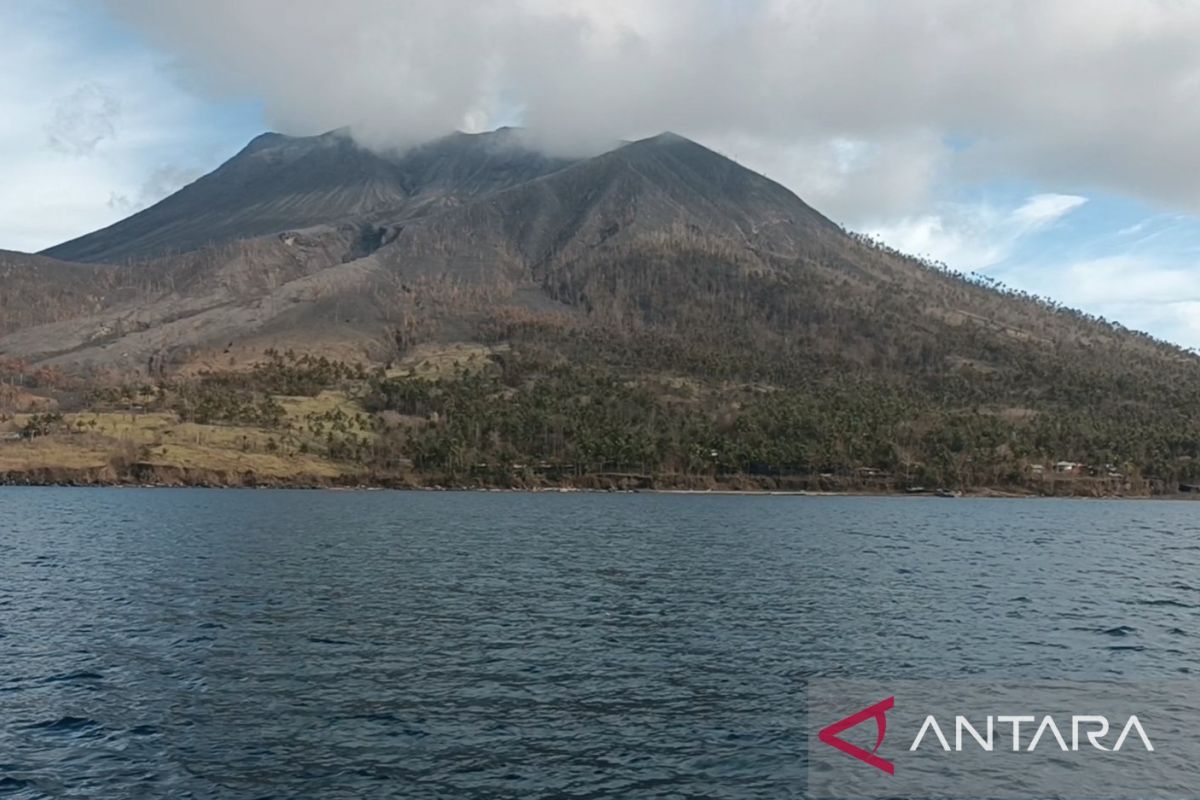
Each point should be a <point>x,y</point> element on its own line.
<point>657,256</point>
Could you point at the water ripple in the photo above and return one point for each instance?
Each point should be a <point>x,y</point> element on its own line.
<point>326,644</point>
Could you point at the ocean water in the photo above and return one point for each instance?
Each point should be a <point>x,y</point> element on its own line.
<point>256,644</point>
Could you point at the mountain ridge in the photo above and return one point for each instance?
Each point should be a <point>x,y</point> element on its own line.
<point>278,182</point>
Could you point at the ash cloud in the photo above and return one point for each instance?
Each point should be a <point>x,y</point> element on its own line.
<point>860,106</point>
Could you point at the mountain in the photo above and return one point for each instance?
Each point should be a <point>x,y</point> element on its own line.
<point>292,237</point>
<point>279,182</point>
<point>752,324</point>
<point>299,240</point>
<point>658,185</point>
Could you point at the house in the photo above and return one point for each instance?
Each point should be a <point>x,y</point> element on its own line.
<point>1068,467</point>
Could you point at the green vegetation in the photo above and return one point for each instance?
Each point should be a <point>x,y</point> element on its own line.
<point>567,420</point>
<point>530,414</point>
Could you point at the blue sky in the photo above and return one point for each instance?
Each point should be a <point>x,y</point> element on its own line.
<point>1047,145</point>
<point>94,124</point>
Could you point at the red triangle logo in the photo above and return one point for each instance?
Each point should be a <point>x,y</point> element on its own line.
<point>878,712</point>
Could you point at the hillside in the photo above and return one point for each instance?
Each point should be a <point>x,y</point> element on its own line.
<point>279,182</point>
<point>656,310</point>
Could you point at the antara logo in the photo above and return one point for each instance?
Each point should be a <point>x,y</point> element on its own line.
<point>878,712</point>
<point>1094,729</point>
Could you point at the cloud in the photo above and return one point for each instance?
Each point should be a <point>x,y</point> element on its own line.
<point>1129,280</point>
<point>1045,209</point>
<point>161,181</point>
<point>1150,292</point>
<point>1080,96</point>
<point>90,127</point>
<point>853,181</point>
<point>975,236</point>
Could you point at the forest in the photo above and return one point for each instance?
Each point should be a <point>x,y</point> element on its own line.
<point>526,415</point>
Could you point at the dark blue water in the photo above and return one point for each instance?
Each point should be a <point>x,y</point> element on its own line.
<point>257,644</point>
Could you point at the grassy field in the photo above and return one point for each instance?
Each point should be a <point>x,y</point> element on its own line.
<point>296,449</point>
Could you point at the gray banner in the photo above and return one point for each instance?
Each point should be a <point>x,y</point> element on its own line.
<point>919,739</point>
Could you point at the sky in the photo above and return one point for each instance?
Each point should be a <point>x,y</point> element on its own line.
<point>1049,144</point>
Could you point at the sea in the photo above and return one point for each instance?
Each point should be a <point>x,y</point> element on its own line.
<point>218,643</point>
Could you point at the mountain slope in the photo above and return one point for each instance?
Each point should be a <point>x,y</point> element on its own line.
<point>657,308</point>
<point>463,208</point>
<point>279,183</point>
<point>658,232</point>
<point>659,186</point>
<point>37,289</point>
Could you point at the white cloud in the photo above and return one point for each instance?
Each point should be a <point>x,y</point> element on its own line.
<point>850,180</point>
<point>1129,279</point>
<point>1042,210</point>
<point>1148,292</point>
<point>976,236</point>
<point>1074,94</point>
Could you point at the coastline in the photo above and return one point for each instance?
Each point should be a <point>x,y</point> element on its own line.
<point>157,476</point>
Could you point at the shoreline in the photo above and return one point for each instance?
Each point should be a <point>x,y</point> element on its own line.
<point>288,474</point>
<point>39,479</point>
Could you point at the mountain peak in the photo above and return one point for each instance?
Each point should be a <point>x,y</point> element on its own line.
<point>669,141</point>
<point>267,139</point>
<point>668,137</point>
<point>280,182</point>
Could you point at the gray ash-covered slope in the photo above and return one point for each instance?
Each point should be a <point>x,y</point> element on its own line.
<point>36,289</point>
<point>278,183</point>
<point>290,228</point>
<point>658,186</point>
